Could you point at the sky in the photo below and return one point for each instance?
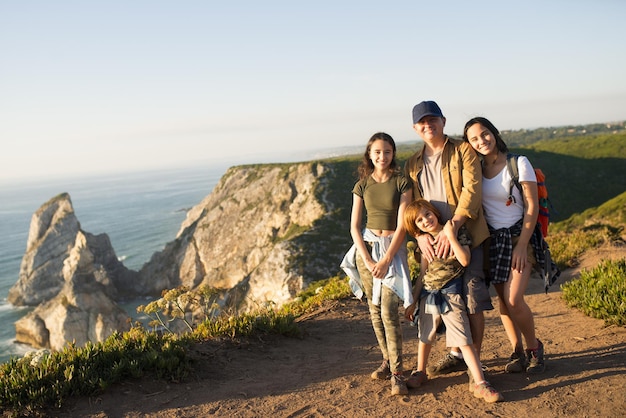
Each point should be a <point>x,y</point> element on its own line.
<point>94,87</point>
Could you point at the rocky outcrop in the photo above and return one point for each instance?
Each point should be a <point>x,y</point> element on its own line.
<point>242,238</point>
<point>54,233</point>
<point>73,278</point>
<point>82,311</point>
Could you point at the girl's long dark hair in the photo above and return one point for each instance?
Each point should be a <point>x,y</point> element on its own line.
<point>367,167</point>
<point>500,144</point>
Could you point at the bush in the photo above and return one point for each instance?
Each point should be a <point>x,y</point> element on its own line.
<point>600,292</point>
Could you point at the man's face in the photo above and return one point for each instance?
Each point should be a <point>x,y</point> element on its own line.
<point>430,128</point>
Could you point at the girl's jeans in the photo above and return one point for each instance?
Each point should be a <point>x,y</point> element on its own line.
<point>385,319</point>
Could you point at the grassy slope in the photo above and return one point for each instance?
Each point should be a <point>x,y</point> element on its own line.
<point>581,172</point>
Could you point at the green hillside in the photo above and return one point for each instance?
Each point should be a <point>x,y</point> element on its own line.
<point>581,172</point>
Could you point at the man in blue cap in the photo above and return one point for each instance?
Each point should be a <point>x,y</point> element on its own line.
<point>447,172</point>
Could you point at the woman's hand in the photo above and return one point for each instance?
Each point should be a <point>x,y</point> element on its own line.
<point>519,258</point>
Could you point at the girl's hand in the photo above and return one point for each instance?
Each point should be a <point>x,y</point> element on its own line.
<point>380,269</point>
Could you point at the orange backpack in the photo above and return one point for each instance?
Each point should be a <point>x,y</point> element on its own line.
<point>549,270</point>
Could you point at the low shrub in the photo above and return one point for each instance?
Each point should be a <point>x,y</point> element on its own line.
<point>600,292</point>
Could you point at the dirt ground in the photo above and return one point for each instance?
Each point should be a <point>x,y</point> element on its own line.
<point>327,373</point>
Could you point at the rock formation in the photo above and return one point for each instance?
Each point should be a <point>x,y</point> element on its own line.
<point>242,238</point>
<point>73,278</point>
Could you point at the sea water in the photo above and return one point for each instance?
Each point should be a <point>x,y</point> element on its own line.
<point>140,212</point>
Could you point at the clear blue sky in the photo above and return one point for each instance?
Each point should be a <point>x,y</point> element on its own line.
<point>97,86</point>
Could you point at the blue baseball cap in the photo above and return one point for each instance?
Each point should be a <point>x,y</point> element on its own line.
<point>426,108</point>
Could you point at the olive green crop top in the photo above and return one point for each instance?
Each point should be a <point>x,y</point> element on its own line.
<point>382,200</point>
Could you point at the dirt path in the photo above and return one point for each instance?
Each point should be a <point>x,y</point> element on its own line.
<point>326,374</point>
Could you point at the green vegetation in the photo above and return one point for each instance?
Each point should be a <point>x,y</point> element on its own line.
<point>43,379</point>
<point>316,294</point>
<point>581,172</point>
<point>523,137</point>
<point>570,238</point>
<point>34,382</point>
<point>600,292</point>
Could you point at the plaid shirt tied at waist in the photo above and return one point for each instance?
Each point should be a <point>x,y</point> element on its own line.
<point>501,250</point>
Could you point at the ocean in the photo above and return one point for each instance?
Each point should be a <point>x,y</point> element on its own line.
<point>140,212</point>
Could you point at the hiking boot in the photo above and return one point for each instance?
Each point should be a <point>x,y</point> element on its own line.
<point>517,362</point>
<point>535,360</point>
<point>398,385</point>
<point>487,392</point>
<point>382,372</point>
<point>447,364</point>
<point>416,379</point>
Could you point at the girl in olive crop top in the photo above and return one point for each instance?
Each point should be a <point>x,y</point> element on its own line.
<point>377,262</point>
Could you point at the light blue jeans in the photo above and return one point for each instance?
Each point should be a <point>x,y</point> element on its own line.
<point>385,319</point>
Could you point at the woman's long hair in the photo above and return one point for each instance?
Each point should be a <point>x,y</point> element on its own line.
<point>500,144</point>
<point>367,166</point>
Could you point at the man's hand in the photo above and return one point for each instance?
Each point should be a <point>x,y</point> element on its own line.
<point>425,243</point>
<point>443,246</point>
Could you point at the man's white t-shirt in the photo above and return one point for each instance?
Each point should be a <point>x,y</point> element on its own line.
<point>496,193</point>
<point>433,186</point>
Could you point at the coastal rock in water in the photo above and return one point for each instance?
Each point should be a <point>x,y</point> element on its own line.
<point>248,236</point>
<point>54,232</point>
<point>81,311</point>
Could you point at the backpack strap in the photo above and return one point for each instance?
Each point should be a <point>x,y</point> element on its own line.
<point>511,165</point>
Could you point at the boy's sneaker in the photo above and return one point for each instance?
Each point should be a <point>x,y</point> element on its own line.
<point>447,364</point>
<point>472,383</point>
<point>416,379</point>
<point>382,372</point>
<point>535,360</point>
<point>487,392</point>
<point>517,363</point>
<point>398,385</point>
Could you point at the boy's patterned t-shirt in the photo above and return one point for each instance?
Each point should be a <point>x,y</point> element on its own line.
<point>443,270</point>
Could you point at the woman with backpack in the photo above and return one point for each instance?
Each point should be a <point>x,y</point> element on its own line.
<point>515,238</point>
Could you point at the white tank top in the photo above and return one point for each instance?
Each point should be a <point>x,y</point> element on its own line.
<point>496,193</point>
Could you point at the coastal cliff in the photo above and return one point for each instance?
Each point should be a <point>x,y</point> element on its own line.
<point>247,238</point>
<point>260,237</point>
